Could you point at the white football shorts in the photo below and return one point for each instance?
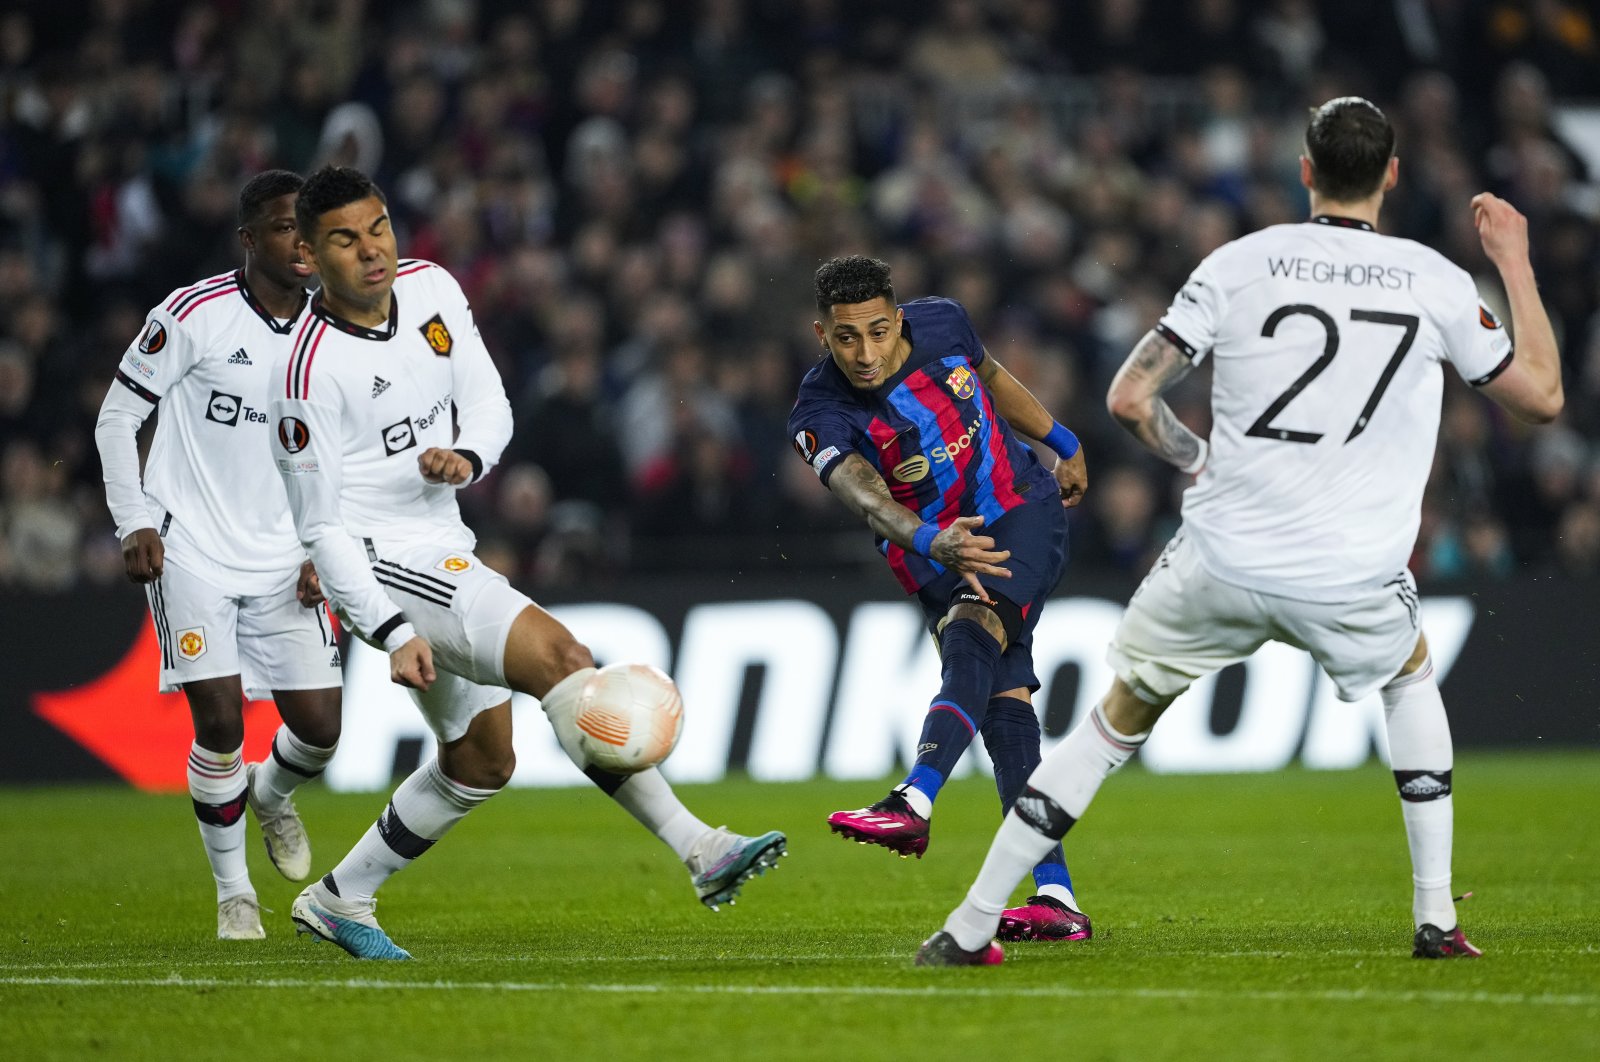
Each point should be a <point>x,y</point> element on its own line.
<point>465,611</point>
<point>1184,623</point>
<point>270,641</point>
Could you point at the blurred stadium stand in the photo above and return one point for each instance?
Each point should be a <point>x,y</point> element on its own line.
<point>635,194</point>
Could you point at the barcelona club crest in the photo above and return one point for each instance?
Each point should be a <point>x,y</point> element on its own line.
<point>437,335</point>
<point>961,383</point>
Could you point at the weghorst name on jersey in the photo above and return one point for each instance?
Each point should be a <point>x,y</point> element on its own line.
<point>1353,274</point>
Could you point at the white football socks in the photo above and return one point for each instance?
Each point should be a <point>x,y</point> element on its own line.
<point>1063,784</point>
<point>421,811</point>
<point>648,798</point>
<point>291,764</point>
<point>646,795</point>
<point>216,785</point>
<point>1422,758</point>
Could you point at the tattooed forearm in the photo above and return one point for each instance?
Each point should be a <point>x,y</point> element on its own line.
<point>1135,400</point>
<point>861,488</point>
<point>1165,436</point>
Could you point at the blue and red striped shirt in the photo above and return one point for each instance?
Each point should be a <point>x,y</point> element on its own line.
<point>930,430</point>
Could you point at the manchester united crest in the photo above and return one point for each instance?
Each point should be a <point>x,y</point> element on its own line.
<point>192,643</point>
<point>454,565</point>
<point>961,383</point>
<point>437,335</point>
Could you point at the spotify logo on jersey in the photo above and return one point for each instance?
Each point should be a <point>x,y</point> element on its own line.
<point>911,470</point>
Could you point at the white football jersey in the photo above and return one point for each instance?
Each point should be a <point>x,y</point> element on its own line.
<point>353,408</point>
<point>206,355</point>
<point>1327,341</point>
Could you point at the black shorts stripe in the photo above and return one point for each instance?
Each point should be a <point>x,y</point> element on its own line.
<point>137,388</point>
<point>1489,376</point>
<point>155,620</point>
<point>322,626</point>
<point>1190,351</point>
<point>158,612</point>
<point>443,584</point>
<point>421,595</point>
<point>422,582</point>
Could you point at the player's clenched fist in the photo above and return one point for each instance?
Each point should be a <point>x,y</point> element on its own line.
<point>308,588</point>
<point>439,465</point>
<point>1501,228</point>
<point>143,554</point>
<point>412,665</point>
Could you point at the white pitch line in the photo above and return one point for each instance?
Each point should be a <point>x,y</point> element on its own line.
<point>316,959</point>
<point>1331,995</point>
<point>751,957</point>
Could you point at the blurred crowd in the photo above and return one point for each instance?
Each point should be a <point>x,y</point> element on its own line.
<point>635,193</point>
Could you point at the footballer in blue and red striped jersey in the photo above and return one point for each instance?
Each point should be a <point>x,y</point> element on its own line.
<point>930,430</point>
<point>910,421</point>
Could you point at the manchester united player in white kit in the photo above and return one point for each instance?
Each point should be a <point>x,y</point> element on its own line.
<point>1328,343</point>
<point>386,403</point>
<point>208,533</point>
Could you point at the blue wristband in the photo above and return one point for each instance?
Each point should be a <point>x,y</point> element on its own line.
<point>1062,441</point>
<point>922,541</point>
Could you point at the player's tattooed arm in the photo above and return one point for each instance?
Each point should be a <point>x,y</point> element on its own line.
<point>863,490</point>
<point>865,493</point>
<point>1155,365</point>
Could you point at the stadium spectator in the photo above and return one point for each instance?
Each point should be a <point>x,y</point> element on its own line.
<point>670,175</point>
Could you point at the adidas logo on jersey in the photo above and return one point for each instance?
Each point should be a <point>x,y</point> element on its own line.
<point>239,357</point>
<point>379,386</point>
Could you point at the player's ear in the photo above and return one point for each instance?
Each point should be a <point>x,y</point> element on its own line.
<point>1392,177</point>
<point>816,326</point>
<point>247,239</point>
<point>1307,175</point>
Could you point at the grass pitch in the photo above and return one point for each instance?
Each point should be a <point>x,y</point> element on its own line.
<point>1235,917</point>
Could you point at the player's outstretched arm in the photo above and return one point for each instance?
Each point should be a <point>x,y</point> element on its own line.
<point>1027,415</point>
<point>1530,387</point>
<point>863,490</point>
<point>1155,365</point>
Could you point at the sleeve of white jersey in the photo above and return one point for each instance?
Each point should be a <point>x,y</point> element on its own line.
<point>157,358</point>
<point>1195,317</point>
<point>116,436</point>
<point>308,449</point>
<point>1476,342</point>
<point>482,410</point>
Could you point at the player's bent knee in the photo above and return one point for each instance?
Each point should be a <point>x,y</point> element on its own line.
<point>1001,617</point>
<point>572,656</point>
<point>312,716</point>
<point>496,772</point>
<point>540,652</point>
<point>218,718</point>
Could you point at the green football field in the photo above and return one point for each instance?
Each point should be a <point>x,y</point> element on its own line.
<point>1235,917</point>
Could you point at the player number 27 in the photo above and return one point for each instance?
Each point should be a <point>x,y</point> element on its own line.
<point>1263,427</point>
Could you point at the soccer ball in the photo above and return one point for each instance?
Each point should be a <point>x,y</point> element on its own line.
<point>628,719</point>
